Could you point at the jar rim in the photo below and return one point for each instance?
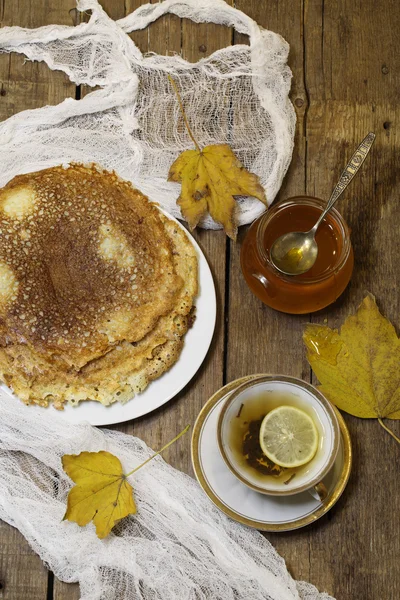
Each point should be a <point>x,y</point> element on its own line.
<point>310,201</point>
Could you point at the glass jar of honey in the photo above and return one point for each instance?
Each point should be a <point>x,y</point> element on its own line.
<point>328,277</point>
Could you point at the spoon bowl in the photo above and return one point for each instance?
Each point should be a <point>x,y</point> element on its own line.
<point>295,252</point>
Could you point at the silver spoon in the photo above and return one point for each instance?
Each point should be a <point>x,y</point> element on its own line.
<point>295,253</point>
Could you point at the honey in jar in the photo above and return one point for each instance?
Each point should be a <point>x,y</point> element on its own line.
<point>318,287</point>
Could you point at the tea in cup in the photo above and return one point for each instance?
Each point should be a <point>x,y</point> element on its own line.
<point>279,435</point>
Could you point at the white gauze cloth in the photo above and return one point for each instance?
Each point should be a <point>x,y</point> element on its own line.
<point>178,546</point>
<point>132,124</point>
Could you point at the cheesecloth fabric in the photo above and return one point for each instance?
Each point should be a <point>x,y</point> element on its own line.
<point>132,123</point>
<point>177,547</point>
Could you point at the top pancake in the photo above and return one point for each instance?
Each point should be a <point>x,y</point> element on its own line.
<point>126,369</point>
<point>85,263</point>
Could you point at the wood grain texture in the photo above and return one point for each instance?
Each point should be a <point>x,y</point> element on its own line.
<point>261,340</point>
<point>342,62</point>
<point>353,90</point>
<point>23,86</point>
<point>22,573</point>
<point>345,82</point>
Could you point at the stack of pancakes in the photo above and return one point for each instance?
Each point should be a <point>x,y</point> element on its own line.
<point>96,287</point>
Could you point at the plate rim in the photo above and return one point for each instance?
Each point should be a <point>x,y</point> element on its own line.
<point>319,512</point>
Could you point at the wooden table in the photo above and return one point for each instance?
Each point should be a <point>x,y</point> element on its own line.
<point>345,60</point>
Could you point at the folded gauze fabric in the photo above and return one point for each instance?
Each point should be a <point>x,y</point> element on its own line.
<point>132,124</point>
<point>178,545</point>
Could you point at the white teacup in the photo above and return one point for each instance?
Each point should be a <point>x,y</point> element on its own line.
<point>296,392</point>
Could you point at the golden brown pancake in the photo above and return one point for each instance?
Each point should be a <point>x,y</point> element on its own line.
<point>85,262</point>
<point>123,370</point>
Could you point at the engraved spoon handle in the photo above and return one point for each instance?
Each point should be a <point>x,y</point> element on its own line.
<point>350,170</point>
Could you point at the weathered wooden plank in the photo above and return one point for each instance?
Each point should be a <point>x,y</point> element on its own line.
<point>22,573</point>
<point>26,85</point>
<point>22,86</point>
<point>350,75</point>
<point>163,36</point>
<point>261,340</point>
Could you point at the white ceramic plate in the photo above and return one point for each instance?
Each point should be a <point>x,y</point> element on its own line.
<point>197,342</point>
<point>235,499</point>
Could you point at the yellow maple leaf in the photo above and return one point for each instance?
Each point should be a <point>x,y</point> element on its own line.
<point>101,494</point>
<point>211,178</point>
<point>358,368</point>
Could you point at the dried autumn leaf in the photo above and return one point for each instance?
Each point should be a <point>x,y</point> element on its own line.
<point>211,178</point>
<point>101,494</point>
<point>358,368</point>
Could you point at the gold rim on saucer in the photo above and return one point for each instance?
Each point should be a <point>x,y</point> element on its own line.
<point>325,506</point>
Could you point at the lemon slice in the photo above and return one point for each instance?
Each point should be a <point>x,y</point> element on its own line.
<point>288,437</point>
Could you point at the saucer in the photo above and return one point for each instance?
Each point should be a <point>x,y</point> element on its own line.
<point>235,499</point>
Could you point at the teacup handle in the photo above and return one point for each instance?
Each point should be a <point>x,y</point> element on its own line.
<point>319,491</point>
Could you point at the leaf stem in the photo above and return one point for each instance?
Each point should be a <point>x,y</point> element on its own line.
<point>388,430</point>
<point>183,112</point>
<point>159,452</point>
